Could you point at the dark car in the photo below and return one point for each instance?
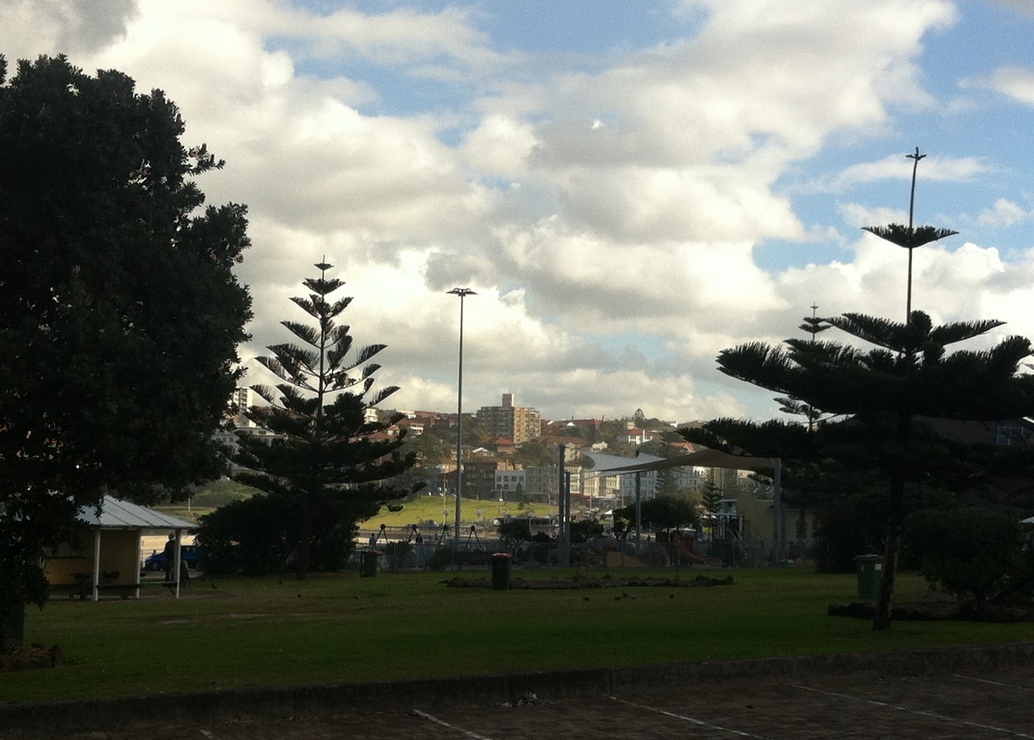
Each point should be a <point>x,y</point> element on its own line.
<point>191,555</point>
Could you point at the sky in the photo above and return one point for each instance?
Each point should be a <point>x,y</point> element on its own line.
<point>628,187</point>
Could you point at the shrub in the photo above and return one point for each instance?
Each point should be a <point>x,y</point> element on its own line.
<point>257,536</point>
<point>973,552</point>
<point>441,558</point>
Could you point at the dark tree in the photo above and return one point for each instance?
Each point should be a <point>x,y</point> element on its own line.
<point>120,314</point>
<point>324,447</point>
<point>711,502</point>
<point>884,391</point>
<point>661,512</point>
<point>584,530</point>
<point>535,453</point>
<point>813,325</point>
<point>513,533</point>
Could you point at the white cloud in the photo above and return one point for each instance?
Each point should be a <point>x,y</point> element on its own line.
<point>860,215</point>
<point>500,145</point>
<point>608,219</point>
<point>1004,213</point>
<point>1013,82</point>
<point>951,284</point>
<point>899,167</point>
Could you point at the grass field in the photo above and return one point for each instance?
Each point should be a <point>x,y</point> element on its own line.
<point>261,632</point>
<point>418,509</point>
<point>433,507</point>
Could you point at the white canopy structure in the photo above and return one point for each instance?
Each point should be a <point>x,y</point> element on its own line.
<point>708,458</point>
<point>118,525</point>
<point>115,513</point>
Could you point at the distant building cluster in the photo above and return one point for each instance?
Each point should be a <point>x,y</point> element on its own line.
<point>494,467</point>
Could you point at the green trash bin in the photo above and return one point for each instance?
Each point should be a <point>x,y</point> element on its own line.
<point>501,571</point>
<point>368,561</point>
<point>870,573</point>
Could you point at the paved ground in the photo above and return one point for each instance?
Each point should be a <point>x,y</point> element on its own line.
<point>950,705</point>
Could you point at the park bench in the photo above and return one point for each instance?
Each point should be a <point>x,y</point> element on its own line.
<point>84,584</point>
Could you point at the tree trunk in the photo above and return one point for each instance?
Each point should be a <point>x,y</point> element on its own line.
<point>12,627</point>
<point>895,518</point>
<point>302,554</point>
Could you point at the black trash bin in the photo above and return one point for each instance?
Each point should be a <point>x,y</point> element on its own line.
<point>501,571</point>
<point>870,573</point>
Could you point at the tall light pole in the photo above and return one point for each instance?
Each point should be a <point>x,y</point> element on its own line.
<point>462,293</point>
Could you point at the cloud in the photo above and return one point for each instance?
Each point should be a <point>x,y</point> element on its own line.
<point>859,215</point>
<point>687,139</point>
<point>1016,83</point>
<point>899,167</point>
<point>34,27</point>
<point>951,283</point>
<point>606,209</point>
<point>1004,213</point>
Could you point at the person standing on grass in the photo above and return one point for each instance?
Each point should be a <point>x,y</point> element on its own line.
<point>170,558</point>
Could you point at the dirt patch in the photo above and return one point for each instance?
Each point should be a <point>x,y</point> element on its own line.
<point>591,583</point>
<point>213,618</point>
<point>30,658</point>
<point>940,611</point>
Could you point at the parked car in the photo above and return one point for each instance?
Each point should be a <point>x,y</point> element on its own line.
<point>191,555</point>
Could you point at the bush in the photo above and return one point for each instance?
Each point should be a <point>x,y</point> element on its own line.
<point>584,530</point>
<point>257,536</point>
<point>974,552</point>
<point>441,558</point>
<point>513,533</point>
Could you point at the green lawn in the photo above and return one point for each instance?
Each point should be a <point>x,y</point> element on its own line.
<point>420,508</point>
<point>431,507</point>
<point>235,633</point>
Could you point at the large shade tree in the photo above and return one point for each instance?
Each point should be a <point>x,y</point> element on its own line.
<point>326,447</point>
<point>119,311</point>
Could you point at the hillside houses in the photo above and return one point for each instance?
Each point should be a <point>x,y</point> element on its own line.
<point>510,452</point>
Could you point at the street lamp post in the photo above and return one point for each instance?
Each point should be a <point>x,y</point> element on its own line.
<point>462,293</point>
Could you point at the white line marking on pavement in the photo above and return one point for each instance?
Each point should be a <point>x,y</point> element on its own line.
<point>942,717</point>
<point>993,683</point>
<point>437,721</point>
<point>694,720</point>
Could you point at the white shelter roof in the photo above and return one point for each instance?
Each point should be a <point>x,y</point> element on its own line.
<point>705,458</point>
<point>602,462</point>
<point>115,513</point>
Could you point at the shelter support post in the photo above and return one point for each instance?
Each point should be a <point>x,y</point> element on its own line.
<point>96,563</point>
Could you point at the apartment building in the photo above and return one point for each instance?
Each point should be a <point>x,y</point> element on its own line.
<point>517,423</point>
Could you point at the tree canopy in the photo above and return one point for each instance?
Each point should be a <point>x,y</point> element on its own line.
<point>120,314</point>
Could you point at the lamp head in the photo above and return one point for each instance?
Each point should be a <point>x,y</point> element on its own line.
<point>461,292</point>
